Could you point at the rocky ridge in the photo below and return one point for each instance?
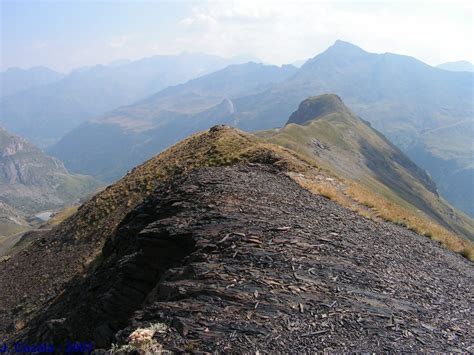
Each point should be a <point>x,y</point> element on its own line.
<point>243,259</point>
<point>213,245</point>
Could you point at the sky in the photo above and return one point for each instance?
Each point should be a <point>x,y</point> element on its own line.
<point>68,34</point>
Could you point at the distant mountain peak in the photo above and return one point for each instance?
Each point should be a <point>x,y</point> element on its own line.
<point>461,65</point>
<point>341,43</point>
<point>346,47</point>
<point>315,107</point>
<point>340,53</point>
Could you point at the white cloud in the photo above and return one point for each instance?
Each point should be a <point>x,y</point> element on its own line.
<point>284,31</point>
<point>275,31</point>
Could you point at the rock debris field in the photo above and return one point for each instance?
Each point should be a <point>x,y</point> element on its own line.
<point>242,259</point>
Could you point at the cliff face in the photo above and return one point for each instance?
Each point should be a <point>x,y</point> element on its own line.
<point>32,181</point>
<point>23,163</point>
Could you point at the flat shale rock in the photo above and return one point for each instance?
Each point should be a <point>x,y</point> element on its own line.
<point>242,259</point>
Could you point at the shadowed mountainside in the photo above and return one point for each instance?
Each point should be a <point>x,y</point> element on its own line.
<point>45,113</point>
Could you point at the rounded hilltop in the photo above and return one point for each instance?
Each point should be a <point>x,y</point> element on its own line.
<point>317,106</point>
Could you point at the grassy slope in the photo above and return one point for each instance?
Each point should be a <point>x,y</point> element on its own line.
<point>12,224</point>
<point>12,221</point>
<point>350,143</point>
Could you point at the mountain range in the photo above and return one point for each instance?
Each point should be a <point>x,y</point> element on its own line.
<point>427,112</point>
<point>44,113</point>
<point>106,147</point>
<point>15,80</point>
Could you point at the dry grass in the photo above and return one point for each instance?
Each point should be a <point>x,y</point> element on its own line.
<point>60,216</point>
<point>413,220</point>
<point>327,191</point>
<point>374,206</point>
<point>321,188</point>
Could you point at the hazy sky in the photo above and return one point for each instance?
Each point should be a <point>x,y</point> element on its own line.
<point>68,34</point>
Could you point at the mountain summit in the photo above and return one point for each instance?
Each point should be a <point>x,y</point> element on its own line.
<point>343,49</point>
<point>317,106</point>
<point>340,45</point>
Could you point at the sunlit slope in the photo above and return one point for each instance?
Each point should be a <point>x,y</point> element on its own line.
<point>325,130</point>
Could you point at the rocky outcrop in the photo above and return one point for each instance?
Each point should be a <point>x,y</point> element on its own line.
<point>243,259</point>
<point>32,181</point>
<point>23,163</point>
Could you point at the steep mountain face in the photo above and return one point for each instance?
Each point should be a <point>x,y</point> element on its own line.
<point>15,80</point>
<point>214,246</point>
<point>325,130</point>
<point>110,145</point>
<point>461,65</point>
<point>455,180</point>
<point>410,102</point>
<point>44,114</point>
<point>32,182</point>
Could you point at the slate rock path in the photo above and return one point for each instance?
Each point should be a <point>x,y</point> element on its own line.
<point>242,259</point>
